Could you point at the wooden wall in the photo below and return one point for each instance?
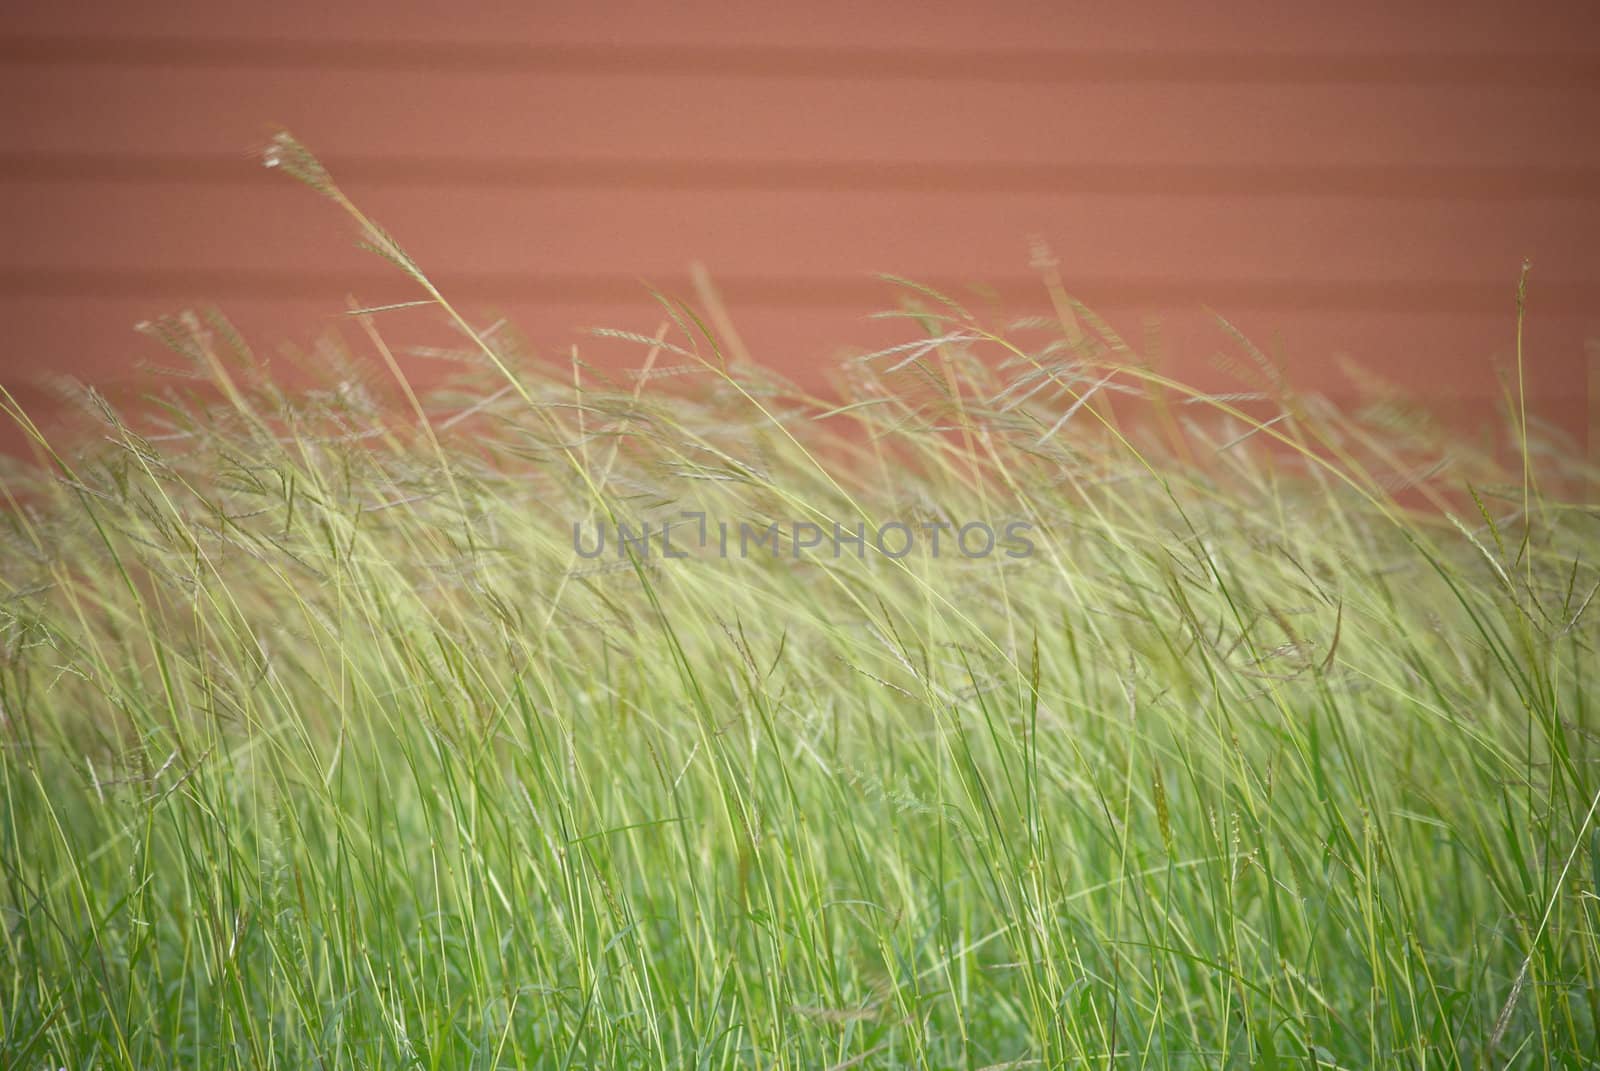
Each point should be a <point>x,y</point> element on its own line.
<point>1361,179</point>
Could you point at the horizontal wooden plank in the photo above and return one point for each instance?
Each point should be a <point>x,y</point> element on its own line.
<point>1449,182</point>
<point>1307,251</point>
<point>1072,24</point>
<point>478,118</point>
<point>1014,66</point>
<point>1438,357</point>
<point>382,288</point>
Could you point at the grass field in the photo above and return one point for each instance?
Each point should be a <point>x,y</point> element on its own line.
<point>1270,740</point>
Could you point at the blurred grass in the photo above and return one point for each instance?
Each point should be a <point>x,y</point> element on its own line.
<point>323,747</point>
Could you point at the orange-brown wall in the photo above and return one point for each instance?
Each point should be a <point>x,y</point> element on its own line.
<point>1336,179</point>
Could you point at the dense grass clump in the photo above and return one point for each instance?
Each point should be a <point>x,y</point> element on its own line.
<point>323,745</point>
